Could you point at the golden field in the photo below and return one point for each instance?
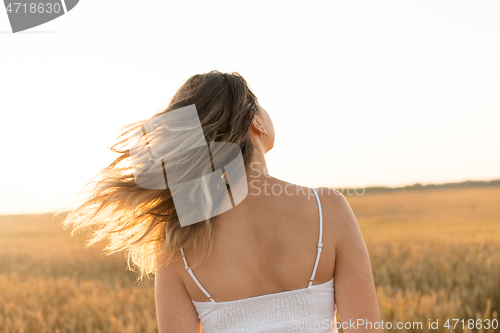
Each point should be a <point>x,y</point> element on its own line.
<point>435,255</point>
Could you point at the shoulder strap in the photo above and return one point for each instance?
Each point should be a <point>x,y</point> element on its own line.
<point>194,277</point>
<point>320,242</point>
<point>320,247</point>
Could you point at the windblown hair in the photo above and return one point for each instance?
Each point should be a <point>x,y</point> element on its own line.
<point>144,222</point>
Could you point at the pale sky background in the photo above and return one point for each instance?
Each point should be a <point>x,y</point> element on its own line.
<point>361,93</point>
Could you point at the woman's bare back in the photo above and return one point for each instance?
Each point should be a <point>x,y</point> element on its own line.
<point>264,245</point>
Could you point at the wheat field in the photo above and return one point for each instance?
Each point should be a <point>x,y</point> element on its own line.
<point>435,255</point>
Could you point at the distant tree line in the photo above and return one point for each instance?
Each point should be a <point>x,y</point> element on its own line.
<point>418,186</point>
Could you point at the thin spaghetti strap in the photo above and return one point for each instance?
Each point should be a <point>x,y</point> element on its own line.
<point>320,242</point>
<point>194,277</point>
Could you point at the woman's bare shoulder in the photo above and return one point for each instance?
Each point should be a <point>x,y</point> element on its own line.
<point>332,197</point>
<point>338,215</point>
<point>290,189</point>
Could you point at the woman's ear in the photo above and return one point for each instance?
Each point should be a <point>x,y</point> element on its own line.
<point>257,125</point>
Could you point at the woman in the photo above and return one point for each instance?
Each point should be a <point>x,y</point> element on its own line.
<point>278,261</point>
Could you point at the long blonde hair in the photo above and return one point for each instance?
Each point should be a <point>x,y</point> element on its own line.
<point>143,222</point>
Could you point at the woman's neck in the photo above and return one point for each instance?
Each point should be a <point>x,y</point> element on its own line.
<point>257,167</point>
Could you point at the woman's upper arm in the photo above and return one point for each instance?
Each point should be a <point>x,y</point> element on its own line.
<point>174,308</point>
<point>355,294</point>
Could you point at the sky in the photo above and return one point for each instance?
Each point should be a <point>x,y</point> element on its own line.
<point>361,93</point>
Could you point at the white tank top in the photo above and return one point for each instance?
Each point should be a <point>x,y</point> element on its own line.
<point>310,309</point>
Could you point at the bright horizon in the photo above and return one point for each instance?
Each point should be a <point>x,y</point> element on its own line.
<point>361,93</point>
